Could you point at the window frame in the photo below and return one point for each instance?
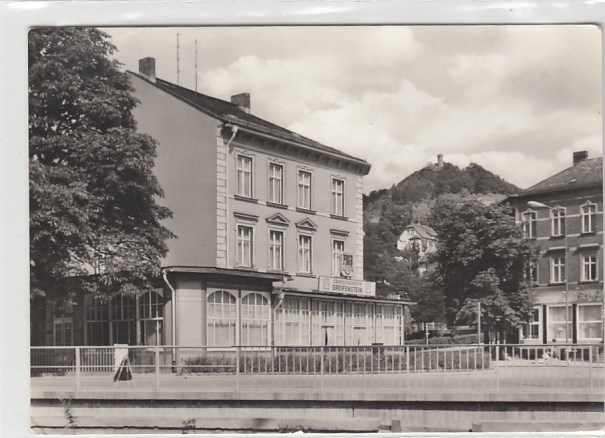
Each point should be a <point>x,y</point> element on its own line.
<point>309,186</point>
<point>337,205</point>
<point>337,270</point>
<point>584,265</point>
<point>271,179</point>
<point>261,316</point>
<point>240,175</point>
<point>580,322</point>
<point>558,218</point>
<point>529,225</point>
<point>271,257</point>
<point>589,216</point>
<point>300,254</point>
<point>239,251</point>
<point>550,323</point>
<point>229,314</point>
<point>561,267</point>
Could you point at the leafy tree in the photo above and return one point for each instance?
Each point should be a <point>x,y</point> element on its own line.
<point>92,192</point>
<point>395,216</point>
<point>483,257</point>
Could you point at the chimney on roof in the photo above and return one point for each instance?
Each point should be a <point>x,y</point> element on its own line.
<point>440,160</point>
<point>579,156</point>
<point>147,68</point>
<point>242,100</point>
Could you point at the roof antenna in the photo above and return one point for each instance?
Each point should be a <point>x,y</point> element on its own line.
<point>196,66</point>
<point>178,59</point>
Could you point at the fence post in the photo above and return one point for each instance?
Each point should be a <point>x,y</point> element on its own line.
<point>590,365</point>
<point>321,366</point>
<point>77,368</point>
<point>157,367</point>
<point>497,369</point>
<point>238,351</point>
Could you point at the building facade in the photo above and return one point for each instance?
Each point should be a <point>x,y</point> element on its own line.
<point>269,246</point>
<point>563,215</point>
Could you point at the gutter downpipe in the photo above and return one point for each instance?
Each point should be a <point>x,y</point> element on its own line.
<point>174,306</point>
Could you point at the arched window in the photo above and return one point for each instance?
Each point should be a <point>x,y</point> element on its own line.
<point>151,316</point>
<point>123,320</point>
<point>222,319</point>
<point>557,216</point>
<point>529,220</point>
<point>589,217</point>
<point>256,315</point>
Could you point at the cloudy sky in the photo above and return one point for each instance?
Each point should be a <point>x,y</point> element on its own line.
<point>518,100</point>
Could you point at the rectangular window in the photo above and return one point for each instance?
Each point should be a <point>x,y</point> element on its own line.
<point>338,249</point>
<point>590,325</point>
<point>557,269</point>
<point>557,216</point>
<point>556,324</point>
<point>63,331</point>
<point>589,218</point>
<point>338,198</point>
<point>276,183</point>
<point>529,224</point>
<point>244,246</point>
<point>276,250</point>
<point>304,254</point>
<point>304,189</point>
<point>589,267</point>
<point>244,176</point>
<point>532,330</point>
<point>533,272</point>
<point>293,318</point>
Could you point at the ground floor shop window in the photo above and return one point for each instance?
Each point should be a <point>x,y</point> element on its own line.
<point>97,322</point>
<point>590,324</point>
<point>532,329</point>
<point>292,322</point>
<point>222,319</point>
<point>235,321</point>
<point>361,327</point>
<point>255,319</point>
<point>63,331</point>
<point>328,326</point>
<point>151,318</point>
<point>388,324</point>
<point>557,324</point>
<point>124,320</point>
<point>123,324</point>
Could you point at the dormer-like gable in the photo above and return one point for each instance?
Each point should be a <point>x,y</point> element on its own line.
<point>307,225</point>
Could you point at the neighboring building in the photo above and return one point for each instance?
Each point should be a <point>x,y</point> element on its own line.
<point>568,228</point>
<point>421,241</point>
<point>269,247</point>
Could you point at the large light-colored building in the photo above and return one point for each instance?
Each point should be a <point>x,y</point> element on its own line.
<point>564,216</point>
<point>269,246</point>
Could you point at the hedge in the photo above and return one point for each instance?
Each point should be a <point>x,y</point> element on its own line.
<point>370,361</point>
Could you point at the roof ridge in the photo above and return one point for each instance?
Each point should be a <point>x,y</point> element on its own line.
<point>234,114</point>
<point>575,166</point>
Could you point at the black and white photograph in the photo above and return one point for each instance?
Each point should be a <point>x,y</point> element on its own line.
<point>330,229</point>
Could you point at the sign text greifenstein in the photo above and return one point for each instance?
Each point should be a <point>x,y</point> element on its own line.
<point>347,287</point>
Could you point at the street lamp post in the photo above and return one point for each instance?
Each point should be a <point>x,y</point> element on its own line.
<point>535,204</point>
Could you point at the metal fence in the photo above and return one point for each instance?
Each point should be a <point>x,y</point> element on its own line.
<point>495,367</point>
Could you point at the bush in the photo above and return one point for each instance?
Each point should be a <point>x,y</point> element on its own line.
<point>446,340</point>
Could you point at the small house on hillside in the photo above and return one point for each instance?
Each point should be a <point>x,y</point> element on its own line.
<point>421,240</point>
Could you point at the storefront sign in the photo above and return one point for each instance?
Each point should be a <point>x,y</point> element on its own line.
<point>347,287</point>
<point>590,295</point>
